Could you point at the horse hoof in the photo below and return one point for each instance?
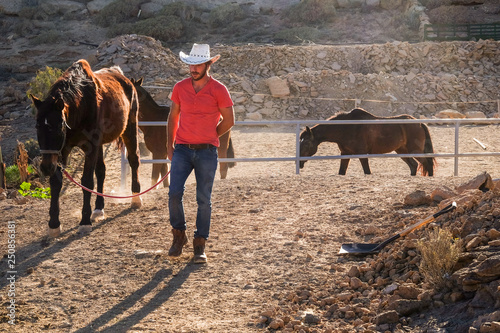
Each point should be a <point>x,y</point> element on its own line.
<point>84,229</point>
<point>54,232</point>
<point>136,202</point>
<point>97,214</point>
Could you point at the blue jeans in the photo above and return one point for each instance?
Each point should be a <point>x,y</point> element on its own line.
<point>204,163</point>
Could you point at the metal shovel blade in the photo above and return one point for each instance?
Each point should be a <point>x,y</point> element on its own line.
<point>360,248</point>
<point>354,248</point>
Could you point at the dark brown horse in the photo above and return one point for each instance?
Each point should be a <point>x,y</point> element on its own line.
<point>411,138</point>
<point>86,109</point>
<point>155,137</point>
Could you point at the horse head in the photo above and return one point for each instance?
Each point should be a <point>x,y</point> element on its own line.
<point>51,130</point>
<point>141,92</point>
<point>308,144</point>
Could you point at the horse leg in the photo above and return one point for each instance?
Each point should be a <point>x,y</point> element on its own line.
<point>344,163</point>
<point>223,165</point>
<point>222,151</point>
<point>54,228</point>
<point>100,173</point>
<point>88,182</point>
<point>365,165</point>
<point>164,171</point>
<point>155,173</point>
<point>412,164</point>
<point>130,140</point>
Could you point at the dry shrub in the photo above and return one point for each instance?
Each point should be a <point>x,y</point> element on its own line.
<point>22,161</point>
<point>117,12</point>
<point>225,14</point>
<point>298,34</point>
<point>311,12</point>
<point>452,15</point>
<point>431,4</point>
<point>164,28</point>
<point>439,253</point>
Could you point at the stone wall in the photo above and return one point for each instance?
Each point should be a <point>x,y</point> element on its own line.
<point>317,81</point>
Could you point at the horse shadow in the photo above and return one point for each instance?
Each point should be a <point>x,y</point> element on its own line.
<point>43,249</point>
<point>124,324</point>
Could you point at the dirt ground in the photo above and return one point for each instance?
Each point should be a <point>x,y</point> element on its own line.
<point>273,231</point>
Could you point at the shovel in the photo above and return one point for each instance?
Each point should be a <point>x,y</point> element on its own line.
<point>360,248</point>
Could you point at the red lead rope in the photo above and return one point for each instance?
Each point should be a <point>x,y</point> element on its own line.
<point>113,196</point>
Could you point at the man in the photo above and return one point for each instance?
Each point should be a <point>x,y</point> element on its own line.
<point>201,111</point>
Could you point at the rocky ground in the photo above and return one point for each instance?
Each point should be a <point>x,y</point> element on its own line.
<point>273,263</point>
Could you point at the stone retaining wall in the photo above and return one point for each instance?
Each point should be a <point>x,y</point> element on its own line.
<point>420,79</point>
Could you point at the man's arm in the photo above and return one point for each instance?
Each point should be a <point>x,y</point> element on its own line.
<point>227,120</point>
<point>172,125</point>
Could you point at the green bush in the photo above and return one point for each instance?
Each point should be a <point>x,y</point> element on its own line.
<point>225,14</point>
<point>178,9</point>
<point>298,35</point>
<point>40,85</point>
<point>120,11</point>
<point>431,4</point>
<point>52,36</point>
<point>12,176</point>
<point>164,28</point>
<point>39,192</point>
<point>311,12</point>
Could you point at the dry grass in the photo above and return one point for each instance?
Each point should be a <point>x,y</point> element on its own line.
<point>22,161</point>
<point>439,253</point>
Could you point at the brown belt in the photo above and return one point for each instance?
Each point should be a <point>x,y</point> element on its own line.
<point>197,146</point>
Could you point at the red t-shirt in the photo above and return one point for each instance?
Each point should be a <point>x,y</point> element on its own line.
<point>199,112</point>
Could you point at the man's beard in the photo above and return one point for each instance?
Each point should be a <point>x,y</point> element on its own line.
<point>201,75</point>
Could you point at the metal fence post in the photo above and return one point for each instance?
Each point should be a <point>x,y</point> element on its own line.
<point>124,169</point>
<point>456,147</point>
<point>297,148</point>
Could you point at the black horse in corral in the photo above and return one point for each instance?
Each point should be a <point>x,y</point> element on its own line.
<point>155,137</point>
<point>357,139</point>
<point>86,109</point>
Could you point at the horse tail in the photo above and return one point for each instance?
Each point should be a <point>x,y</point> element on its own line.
<point>230,153</point>
<point>428,162</point>
<point>120,145</point>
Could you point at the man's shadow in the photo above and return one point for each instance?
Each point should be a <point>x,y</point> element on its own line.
<point>155,302</point>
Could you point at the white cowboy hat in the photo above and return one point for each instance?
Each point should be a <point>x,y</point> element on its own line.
<point>200,53</point>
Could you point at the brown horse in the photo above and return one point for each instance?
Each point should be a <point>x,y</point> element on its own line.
<point>412,138</point>
<point>86,109</point>
<point>155,137</point>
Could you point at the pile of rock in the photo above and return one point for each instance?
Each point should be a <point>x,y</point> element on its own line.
<point>387,291</point>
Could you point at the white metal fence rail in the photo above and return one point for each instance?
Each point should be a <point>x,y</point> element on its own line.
<point>297,158</point>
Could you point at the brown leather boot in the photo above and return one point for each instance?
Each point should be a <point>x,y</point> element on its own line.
<point>199,250</point>
<point>180,239</point>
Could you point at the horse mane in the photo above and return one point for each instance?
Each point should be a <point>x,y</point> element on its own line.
<point>75,83</point>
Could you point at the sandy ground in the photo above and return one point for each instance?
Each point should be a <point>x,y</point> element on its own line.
<point>272,231</point>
